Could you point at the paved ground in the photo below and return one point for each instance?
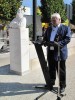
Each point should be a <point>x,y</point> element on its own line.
<point>15,87</point>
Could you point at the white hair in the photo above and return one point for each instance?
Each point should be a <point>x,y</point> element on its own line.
<point>56,15</point>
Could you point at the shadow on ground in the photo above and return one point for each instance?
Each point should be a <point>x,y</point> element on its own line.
<point>10,89</point>
<point>5,70</point>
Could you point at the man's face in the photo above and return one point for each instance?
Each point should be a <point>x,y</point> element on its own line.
<point>55,21</point>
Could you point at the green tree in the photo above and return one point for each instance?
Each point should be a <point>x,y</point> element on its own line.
<point>45,9</point>
<point>48,7</point>
<point>73,5</point>
<point>8,9</point>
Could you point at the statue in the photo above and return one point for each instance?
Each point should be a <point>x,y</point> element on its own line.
<point>20,20</point>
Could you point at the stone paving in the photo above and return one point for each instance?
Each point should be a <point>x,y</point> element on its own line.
<point>15,87</point>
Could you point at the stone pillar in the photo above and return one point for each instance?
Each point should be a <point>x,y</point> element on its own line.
<point>19,45</point>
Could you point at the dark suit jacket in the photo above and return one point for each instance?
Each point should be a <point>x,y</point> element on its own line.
<point>63,37</point>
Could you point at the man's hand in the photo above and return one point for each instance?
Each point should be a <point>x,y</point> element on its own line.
<point>56,43</point>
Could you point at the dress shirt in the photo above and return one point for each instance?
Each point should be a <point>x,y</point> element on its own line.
<point>54,32</point>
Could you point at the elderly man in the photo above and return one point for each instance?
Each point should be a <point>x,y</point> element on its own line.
<point>61,34</point>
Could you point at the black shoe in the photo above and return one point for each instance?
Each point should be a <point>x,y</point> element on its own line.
<point>50,87</point>
<point>45,86</point>
<point>62,90</point>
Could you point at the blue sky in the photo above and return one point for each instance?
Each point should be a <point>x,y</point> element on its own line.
<point>28,3</point>
<point>67,1</point>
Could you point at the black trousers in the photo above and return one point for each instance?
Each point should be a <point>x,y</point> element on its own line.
<point>53,68</point>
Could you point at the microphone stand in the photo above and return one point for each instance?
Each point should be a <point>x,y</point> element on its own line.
<point>58,94</point>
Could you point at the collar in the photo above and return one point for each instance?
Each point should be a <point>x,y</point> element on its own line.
<point>56,26</point>
<point>59,25</point>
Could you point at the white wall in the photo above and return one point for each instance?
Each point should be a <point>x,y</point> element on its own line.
<point>69,11</point>
<point>29,19</point>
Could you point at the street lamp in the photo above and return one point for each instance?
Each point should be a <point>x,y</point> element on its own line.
<point>34,19</point>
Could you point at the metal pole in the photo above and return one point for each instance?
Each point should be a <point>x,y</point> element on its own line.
<point>34,19</point>
<point>58,95</point>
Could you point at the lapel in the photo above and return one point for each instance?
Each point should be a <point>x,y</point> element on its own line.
<point>49,33</point>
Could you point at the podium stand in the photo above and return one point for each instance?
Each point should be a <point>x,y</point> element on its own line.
<point>43,63</point>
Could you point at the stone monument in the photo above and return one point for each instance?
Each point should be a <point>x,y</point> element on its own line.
<point>19,44</point>
<point>20,20</point>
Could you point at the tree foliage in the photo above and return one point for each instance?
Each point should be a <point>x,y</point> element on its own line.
<point>8,9</point>
<point>38,11</point>
<point>48,7</point>
<point>73,5</point>
<point>45,11</point>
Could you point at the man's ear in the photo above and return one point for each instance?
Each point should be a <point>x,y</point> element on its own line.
<point>60,20</point>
